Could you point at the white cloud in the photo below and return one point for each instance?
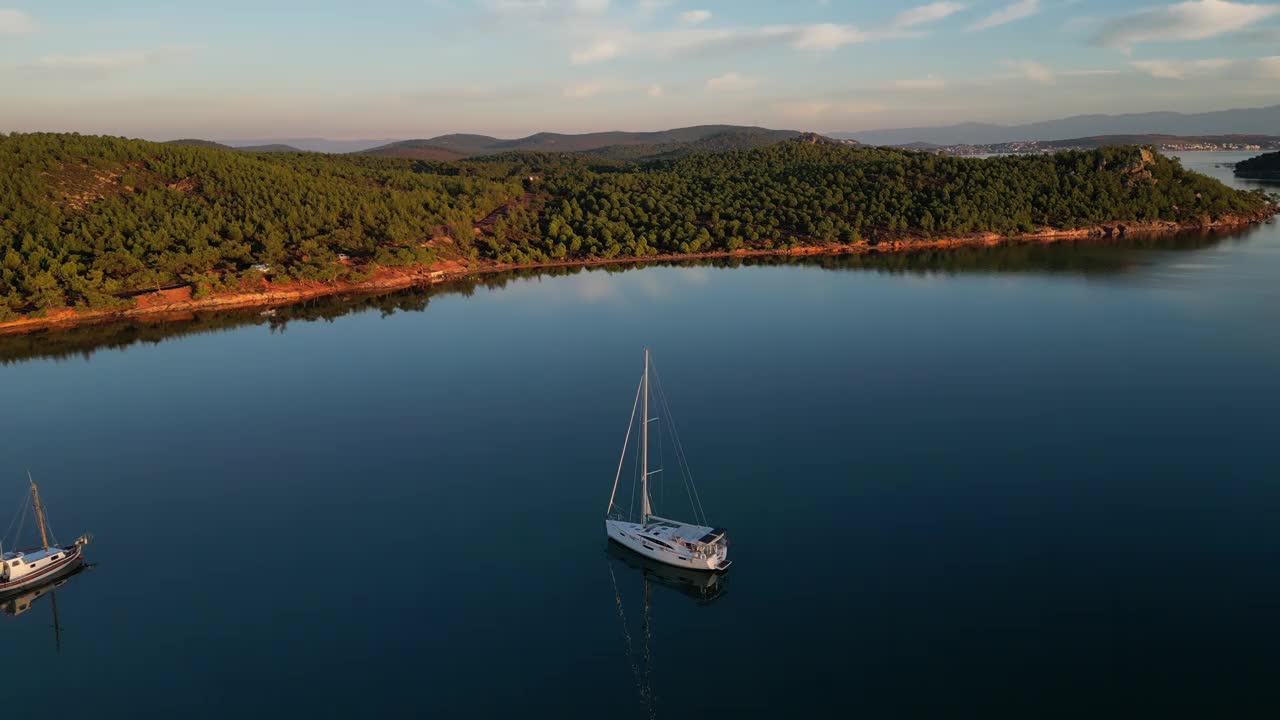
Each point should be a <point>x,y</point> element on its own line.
<point>925,14</point>
<point>655,91</point>
<point>96,63</point>
<point>1192,20</point>
<point>15,22</point>
<point>1007,14</point>
<point>731,81</point>
<point>600,51</point>
<point>828,36</point>
<point>520,6</point>
<point>931,82</point>
<point>555,11</point>
<point>688,41</point>
<point>1180,69</point>
<point>695,17</point>
<point>1263,68</point>
<point>1269,67</point>
<point>585,90</point>
<point>1029,70</point>
<point>649,7</point>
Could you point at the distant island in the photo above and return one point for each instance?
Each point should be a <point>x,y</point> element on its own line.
<point>98,227</point>
<point>1263,167</point>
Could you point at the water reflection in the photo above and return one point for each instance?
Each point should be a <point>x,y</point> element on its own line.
<point>1083,257</point>
<point>703,588</point>
<point>23,601</point>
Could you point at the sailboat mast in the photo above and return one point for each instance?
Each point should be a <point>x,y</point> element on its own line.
<point>35,499</point>
<point>644,452</point>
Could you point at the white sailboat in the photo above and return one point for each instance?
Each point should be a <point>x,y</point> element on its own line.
<point>28,568</point>
<point>684,545</point>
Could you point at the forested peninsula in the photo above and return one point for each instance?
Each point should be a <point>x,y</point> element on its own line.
<point>1262,167</point>
<point>94,227</point>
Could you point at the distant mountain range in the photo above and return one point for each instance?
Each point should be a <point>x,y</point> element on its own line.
<point>620,145</point>
<point>309,144</point>
<point>1168,129</point>
<point>1255,121</point>
<point>273,147</point>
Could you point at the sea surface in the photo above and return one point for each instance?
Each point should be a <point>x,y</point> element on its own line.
<point>1016,482</point>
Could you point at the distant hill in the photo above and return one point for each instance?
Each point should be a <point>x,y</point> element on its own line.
<point>194,142</point>
<point>1264,120</point>
<point>610,144</point>
<point>463,143</point>
<point>1263,167</point>
<point>269,148</point>
<point>309,144</point>
<point>418,150</point>
<point>275,147</point>
<point>735,139</point>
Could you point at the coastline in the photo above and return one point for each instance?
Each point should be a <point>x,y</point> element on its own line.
<point>179,300</point>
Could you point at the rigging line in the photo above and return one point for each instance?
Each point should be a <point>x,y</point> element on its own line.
<point>22,523</point>
<point>23,507</point>
<point>662,464</point>
<point>44,508</point>
<point>622,458</point>
<point>680,465</point>
<point>691,486</point>
<point>686,472</point>
<point>635,483</point>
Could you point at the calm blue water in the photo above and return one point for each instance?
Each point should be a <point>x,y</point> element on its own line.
<point>1038,484</point>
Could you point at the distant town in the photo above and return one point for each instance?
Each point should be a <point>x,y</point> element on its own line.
<point>1174,143</point>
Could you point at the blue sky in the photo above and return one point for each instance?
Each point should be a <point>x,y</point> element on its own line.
<point>416,68</point>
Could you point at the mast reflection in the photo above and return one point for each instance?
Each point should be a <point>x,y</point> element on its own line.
<point>21,602</point>
<point>703,588</point>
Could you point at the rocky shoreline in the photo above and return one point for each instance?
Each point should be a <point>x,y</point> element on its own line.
<point>181,299</point>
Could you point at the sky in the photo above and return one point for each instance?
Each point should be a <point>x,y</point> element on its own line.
<point>236,69</point>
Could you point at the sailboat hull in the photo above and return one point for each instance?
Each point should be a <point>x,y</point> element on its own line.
<point>55,570</point>
<point>633,537</point>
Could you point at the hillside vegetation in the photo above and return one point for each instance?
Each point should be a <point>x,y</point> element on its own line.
<point>85,220</point>
<point>800,193</point>
<point>1263,167</point>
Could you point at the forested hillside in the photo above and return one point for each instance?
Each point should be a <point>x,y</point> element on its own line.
<point>85,220</point>
<point>1265,167</point>
<point>819,193</point>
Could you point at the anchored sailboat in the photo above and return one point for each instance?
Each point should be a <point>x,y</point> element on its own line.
<point>28,568</point>
<point>684,545</point>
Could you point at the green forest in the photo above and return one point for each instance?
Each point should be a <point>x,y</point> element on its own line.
<point>87,220</point>
<point>1266,167</point>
